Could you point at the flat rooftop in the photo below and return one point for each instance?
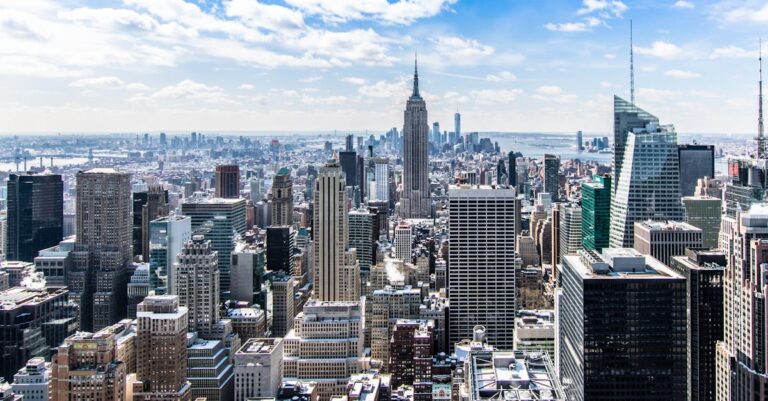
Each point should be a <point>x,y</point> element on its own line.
<point>260,345</point>
<point>618,263</point>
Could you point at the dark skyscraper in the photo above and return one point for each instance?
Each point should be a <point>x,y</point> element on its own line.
<point>147,206</point>
<point>512,169</point>
<point>280,249</point>
<point>415,200</point>
<point>348,162</point>
<point>35,215</point>
<point>626,116</point>
<point>227,181</point>
<point>696,161</point>
<point>596,213</point>
<point>552,176</point>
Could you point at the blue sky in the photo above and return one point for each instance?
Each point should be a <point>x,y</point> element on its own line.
<point>306,65</point>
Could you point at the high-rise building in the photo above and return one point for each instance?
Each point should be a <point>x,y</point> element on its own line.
<point>330,235</point>
<point>552,176</point>
<point>155,207</point>
<point>570,229</point>
<point>32,380</point>
<point>649,186</point>
<point>696,161</point>
<point>436,133</point>
<point>410,356</point>
<point>138,288</point>
<point>282,198</point>
<point>380,190</point>
<point>282,305</point>
<point>482,263</point>
<point>415,198</point>
<point>167,235</point>
<point>249,264</point>
<point>227,181</point>
<point>361,237</point>
<point>579,141</point>
<point>626,117</point>
<point>280,246</point>
<point>704,212</point>
<point>258,368</point>
<point>325,346</point>
<point>403,241</point>
<point>596,213</point>
<point>209,369</point>
<point>512,170</point>
<point>535,331</point>
<point>387,306</point>
<point>621,321</point>
<point>457,125</point>
<point>228,220</point>
<point>197,283</point>
<point>86,367</point>
<point>742,366</point>
<point>348,163</point>
<point>35,218</point>
<point>665,239</point>
<point>103,247</point>
<point>161,350</point>
<point>703,272</point>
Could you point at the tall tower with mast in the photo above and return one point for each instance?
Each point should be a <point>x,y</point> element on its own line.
<point>761,145</point>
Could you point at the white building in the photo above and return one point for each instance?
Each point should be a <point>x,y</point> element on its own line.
<point>403,241</point>
<point>32,380</point>
<point>258,368</point>
<point>570,230</point>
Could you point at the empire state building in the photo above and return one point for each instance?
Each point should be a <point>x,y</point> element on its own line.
<point>414,200</point>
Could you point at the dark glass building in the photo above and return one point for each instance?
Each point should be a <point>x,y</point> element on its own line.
<point>626,117</point>
<point>280,245</point>
<point>622,327</point>
<point>35,214</point>
<point>596,213</point>
<point>696,161</point>
<point>227,181</point>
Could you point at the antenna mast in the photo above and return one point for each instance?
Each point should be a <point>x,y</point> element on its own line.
<point>761,150</point>
<point>631,66</point>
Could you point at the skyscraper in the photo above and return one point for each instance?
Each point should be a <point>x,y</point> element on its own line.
<point>665,239</point>
<point>361,237</point>
<point>570,229</point>
<point>579,141</point>
<point>512,170</point>
<point>596,212</point>
<point>227,181</point>
<point>167,235</point>
<point>436,133</point>
<point>626,117</point>
<point>161,350</point>
<point>704,212</point>
<point>649,186</point>
<point>330,236</point>
<point>457,125</point>
<point>552,176</point>
<point>621,327</point>
<point>282,198</point>
<point>196,283</point>
<point>381,176</point>
<point>415,199</point>
<point>280,244</point>
<point>35,215</point>
<point>696,161</point>
<point>156,206</point>
<point>482,263</point>
<point>104,246</point>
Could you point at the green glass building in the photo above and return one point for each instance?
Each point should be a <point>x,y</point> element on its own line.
<point>596,213</point>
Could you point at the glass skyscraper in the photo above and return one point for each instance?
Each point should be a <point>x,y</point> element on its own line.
<point>35,214</point>
<point>596,213</point>
<point>626,117</point>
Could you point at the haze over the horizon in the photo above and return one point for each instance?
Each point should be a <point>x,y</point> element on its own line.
<point>313,65</point>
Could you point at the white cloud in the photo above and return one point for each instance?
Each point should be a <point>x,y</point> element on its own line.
<point>648,68</point>
<point>656,95</point>
<point>246,87</point>
<point>594,12</point>
<point>402,12</point>
<point>189,90</point>
<point>553,93</point>
<point>355,81</point>
<point>744,12</point>
<point>549,90</point>
<point>608,84</point>
<point>328,100</point>
<point>311,79</point>
<point>384,89</point>
<point>108,82</point>
<point>682,74</point>
<point>683,4</point>
<point>661,49</point>
<point>733,52</point>
<point>566,27</point>
<point>609,56</point>
<point>458,47</point>
<point>265,16</point>
<point>613,8</point>
<point>502,76</point>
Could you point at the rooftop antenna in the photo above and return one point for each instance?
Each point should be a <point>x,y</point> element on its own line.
<point>631,66</point>
<point>760,134</point>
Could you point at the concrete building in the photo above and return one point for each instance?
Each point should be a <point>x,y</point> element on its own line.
<point>161,350</point>
<point>632,308</point>
<point>665,239</point>
<point>704,212</point>
<point>403,241</point>
<point>209,370</point>
<point>32,380</point>
<point>282,198</point>
<point>389,305</point>
<point>258,366</point>
<point>248,322</point>
<point>535,331</point>
<point>482,263</point>
<point>227,181</point>
<point>138,288</point>
<point>197,284</point>
<point>325,346</point>
<point>415,199</point>
<point>55,262</point>
<point>569,230</point>
<point>410,356</point>
<point>282,305</point>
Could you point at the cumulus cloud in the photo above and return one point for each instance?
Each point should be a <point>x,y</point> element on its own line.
<point>732,52</point>
<point>189,90</point>
<point>683,4</point>
<point>682,74</point>
<point>403,12</point>
<point>502,76</point>
<point>594,13</point>
<point>355,80</point>
<point>661,49</point>
<point>107,82</point>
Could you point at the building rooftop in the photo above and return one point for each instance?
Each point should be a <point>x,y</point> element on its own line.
<point>260,345</point>
<point>103,170</point>
<point>617,263</point>
<point>669,225</point>
<point>514,375</point>
<point>19,296</point>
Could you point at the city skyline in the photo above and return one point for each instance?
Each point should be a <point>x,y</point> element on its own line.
<point>174,65</point>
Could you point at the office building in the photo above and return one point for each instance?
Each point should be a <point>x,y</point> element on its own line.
<point>161,350</point>
<point>696,162</point>
<point>247,322</point>
<point>147,206</point>
<point>457,126</point>
<point>415,199</point>
<point>280,248</point>
<point>55,262</point>
<point>569,229</point>
<point>403,241</point>
<point>410,354</point>
<point>649,185</point>
<point>596,213</point>
<point>741,364</point>
<point>167,235</point>
<point>325,346</point>
<point>32,380</point>
<point>380,186</point>
<point>348,163</point>
<point>282,198</point>
<point>703,271</point>
<point>361,237</point>
<point>535,331</point>
<point>482,263</point>
<point>283,308</point>
<point>228,221</point>
<point>35,218</point>
<point>512,169</point>
<point>197,284</point>
<point>209,369</point>
<point>86,368</point>
<point>579,141</point>
<point>331,283</point>
<point>704,212</point>
<point>138,288</point>
<point>626,117</point>
<point>249,264</point>
<point>665,239</point>
<point>387,306</point>
<point>552,176</point>
<point>258,368</point>
<point>227,181</point>
<point>103,246</point>
<point>621,327</point>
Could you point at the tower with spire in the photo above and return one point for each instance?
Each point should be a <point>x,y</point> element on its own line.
<point>761,145</point>
<point>415,197</point>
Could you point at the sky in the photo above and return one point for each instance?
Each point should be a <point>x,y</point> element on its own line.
<point>347,65</point>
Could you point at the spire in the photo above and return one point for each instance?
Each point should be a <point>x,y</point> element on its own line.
<point>416,75</point>
<point>631,66</point>
<point>761,148</point>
